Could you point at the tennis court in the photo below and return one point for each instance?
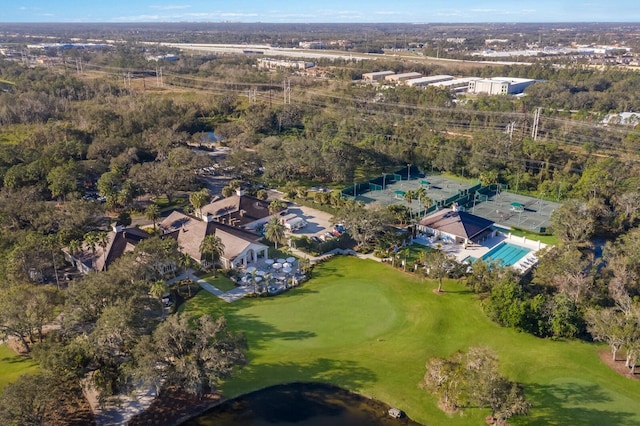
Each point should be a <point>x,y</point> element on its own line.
<point>512,210</point>
<point>493,203</point>
<point>388,189</point>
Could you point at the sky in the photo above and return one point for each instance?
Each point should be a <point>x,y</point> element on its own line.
<point>281,11</point>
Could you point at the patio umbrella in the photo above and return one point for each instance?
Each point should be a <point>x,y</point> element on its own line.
<point>281,260</point>
<point>276,265</point>
<point>286,265</point>
<point>258,279</point>
<point>291,259</point>
<point>286,270</point>
<point>260,272</point>
<point>269,261</point>
<point>250,269</point>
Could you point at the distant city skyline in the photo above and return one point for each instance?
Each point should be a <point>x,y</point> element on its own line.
<point>329,11</point>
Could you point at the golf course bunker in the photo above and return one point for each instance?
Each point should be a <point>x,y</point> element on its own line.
<point>308,404</point>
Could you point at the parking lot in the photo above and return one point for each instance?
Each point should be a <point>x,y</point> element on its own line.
<point>318,222</point>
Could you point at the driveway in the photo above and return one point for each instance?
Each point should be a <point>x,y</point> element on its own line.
<point>318,222</point>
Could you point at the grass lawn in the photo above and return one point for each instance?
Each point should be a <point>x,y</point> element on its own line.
<point>546,239</point>
<point>163,202</point>
<point>220,282</point>
<point>13,366</point>
<point>368,328</point>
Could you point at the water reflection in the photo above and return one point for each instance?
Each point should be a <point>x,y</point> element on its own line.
<point>307,404</point>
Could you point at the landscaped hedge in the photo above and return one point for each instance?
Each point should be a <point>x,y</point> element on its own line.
<point>315,248</point>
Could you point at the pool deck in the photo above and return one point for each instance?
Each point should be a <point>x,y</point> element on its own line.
<point>523,265</point>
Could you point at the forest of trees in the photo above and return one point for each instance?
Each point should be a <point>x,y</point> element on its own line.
<point>66,135</point>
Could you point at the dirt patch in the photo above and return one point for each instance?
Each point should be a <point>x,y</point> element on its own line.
<point>174,406</point>
<point>618,365</point>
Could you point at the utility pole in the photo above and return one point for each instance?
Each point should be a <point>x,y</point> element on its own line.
<point>286,89</point>
<point>159,76</point>
<point>510,127</point>
<point>536,121</point>
<point>270,83</point>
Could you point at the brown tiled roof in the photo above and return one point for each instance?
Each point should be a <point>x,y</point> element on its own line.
<point>189,233</point>
<point>240,209</point>
<point>118,243</point>
<point>461,224</point>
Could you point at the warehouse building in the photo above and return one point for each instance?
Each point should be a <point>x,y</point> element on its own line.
<point>268,63</point>
<point>396,78</point>
<point>500,85</point>
<point>376,76</point>
<point>425,81</point>
<point>456,85</point>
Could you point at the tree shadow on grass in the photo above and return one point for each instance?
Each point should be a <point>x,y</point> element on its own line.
<point>18,359</point>
<point>574,404</point>
<point>327,271</point>
<point>462,291</point>
<point>345,374</point>
<point>259,331</point>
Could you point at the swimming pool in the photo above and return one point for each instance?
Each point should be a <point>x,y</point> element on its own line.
<point>506,253</point>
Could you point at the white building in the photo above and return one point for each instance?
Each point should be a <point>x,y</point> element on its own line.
<point>425,81</point>
<point>268,63</point>
<point>311,44</point>
<point>500,85</point>
<point>457,84</point>
<point>376,76</point>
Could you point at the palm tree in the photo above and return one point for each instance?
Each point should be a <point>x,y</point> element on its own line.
<point>74,247</point>
<point>254,281</point>
<point>212,246</point>
<point>427,202</point>
<point>158,290</point>
<point>186,262</point>
<point>404,253</point>
<point>422,258</point>
<point>199,199</point>
<point>152,213</point>
<point>274,232</point>
<point>102,238</point>
<point>408,197</point>
<point>276,205</point>
<point>91,240</point>
<point>421,193</point>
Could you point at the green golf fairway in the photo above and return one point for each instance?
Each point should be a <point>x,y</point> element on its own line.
<point>369,328</point>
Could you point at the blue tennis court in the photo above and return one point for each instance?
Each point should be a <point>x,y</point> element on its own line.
<point>506,253</point>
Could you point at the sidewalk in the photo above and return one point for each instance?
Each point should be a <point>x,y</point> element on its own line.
<point>230,296</point>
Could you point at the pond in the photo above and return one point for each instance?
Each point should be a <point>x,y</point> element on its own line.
<point>307,404</point>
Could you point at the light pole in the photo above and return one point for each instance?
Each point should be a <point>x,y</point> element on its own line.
<point>408,172</point>
<point>384,176</point>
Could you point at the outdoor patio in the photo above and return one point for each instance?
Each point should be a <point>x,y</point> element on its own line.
<point>272,275</point>
<point>476,251</point>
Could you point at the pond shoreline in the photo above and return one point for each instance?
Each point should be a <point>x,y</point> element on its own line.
<point>351,400</point>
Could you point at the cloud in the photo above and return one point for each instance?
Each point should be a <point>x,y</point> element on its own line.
<point>486,10</point>
<point>169,6</point>
<point>190,16</point>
